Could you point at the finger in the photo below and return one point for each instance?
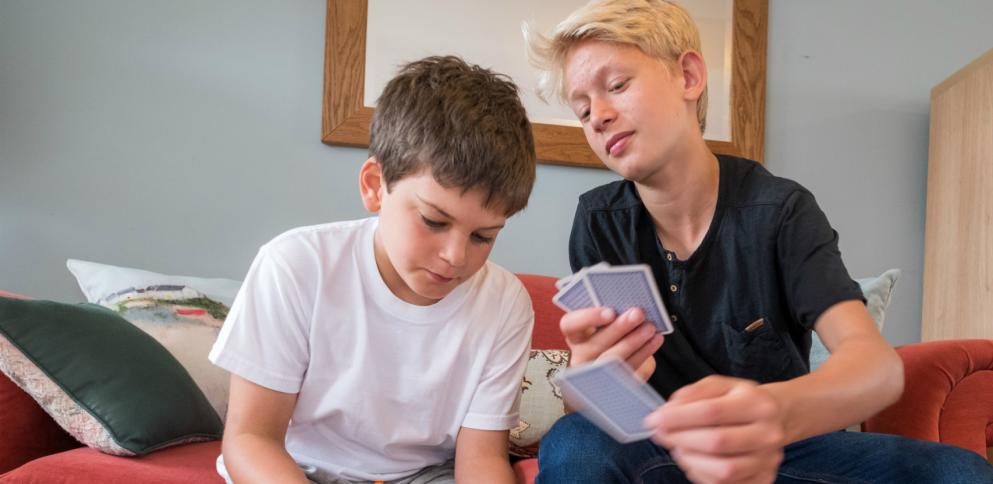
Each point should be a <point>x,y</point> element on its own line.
<point>578,326</point>
<point>741,468</point>
<point>709,387</point>
<point>610,334</point>
<point>727,440</point>
<point>644,372</point>
<point>729,409</point>
<point>630,343</point>
<point>645,353</point>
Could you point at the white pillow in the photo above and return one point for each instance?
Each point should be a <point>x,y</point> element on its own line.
<point>184,314</point>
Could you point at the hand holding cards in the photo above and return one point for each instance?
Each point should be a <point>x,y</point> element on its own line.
<point>616,287</point>
<point>608,393</point>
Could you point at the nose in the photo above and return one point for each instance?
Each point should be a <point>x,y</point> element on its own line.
<point>454,250</point>
<point>602,114</point>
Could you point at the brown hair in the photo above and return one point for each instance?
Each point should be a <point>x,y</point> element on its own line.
<point>463,122</point>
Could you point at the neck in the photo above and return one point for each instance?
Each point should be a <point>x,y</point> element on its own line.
<point>681,198</point>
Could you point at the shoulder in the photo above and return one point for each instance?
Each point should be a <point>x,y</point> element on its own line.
<point>309,251</point>
<point>499,289</point>
<point>618,195</point>
<point>750,184</point>
<point>493,277</point>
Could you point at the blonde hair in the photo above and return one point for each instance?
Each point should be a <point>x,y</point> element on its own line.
<point>661,29</point>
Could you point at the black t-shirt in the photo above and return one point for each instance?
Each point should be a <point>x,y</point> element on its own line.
<point>769,254</point>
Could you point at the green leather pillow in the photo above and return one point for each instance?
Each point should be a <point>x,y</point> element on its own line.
<point>103,380</point>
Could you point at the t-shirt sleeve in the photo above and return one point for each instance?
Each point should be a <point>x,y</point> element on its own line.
<point>496,402</point>
<point>264,338</point>
<point>582,248</point>
<point>813,273</point>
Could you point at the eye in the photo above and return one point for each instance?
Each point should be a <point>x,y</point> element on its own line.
<point>618,85</point>
<point>584,114</point>
<point>433,224</point>
<point>482,239</point>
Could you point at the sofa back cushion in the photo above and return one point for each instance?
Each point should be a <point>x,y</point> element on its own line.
<point>546,333</point>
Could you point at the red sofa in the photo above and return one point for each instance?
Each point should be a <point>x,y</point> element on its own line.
<point>948,390</point>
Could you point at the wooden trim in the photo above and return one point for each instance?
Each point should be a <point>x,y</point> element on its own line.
<point>346,120</point>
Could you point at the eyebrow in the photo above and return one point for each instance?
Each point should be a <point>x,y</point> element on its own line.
<point>446,215</point>
<point>596,75</point>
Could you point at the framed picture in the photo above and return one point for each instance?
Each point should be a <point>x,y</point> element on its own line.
<point>364,45</point>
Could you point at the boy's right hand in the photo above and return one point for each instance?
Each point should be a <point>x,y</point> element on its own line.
<point>595,333</point>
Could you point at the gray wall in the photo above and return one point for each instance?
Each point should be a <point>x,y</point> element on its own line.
<point>179,136</point>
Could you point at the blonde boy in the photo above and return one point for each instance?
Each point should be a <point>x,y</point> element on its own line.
<point>389,349</point>
<point>749,266</point>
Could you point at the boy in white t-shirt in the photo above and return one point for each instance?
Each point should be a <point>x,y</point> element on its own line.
<point>389,349</point>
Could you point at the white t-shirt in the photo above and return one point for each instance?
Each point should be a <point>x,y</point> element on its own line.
<point>383,385</point>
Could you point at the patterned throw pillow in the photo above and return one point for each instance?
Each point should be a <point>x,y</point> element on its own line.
<point>107,383</point>
<point>184,314</point>
<point>541,401</point>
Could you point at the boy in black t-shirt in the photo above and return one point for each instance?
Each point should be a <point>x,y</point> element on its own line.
<point>748,266</point>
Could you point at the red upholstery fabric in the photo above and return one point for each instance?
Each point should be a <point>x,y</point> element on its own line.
<point>26,431</point>
<point>947,393</point>
<point>546,333</point>
<point>526,470</point>
<point>186,464</point>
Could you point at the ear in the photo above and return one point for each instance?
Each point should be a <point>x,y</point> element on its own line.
<point>694,71</point>
<point>371,185</point>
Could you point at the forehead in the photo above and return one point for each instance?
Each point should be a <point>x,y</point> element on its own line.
<point>457,202</point>
<point>589,59</point>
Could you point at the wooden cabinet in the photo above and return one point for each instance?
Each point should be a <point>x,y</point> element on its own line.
<point>958,240</point>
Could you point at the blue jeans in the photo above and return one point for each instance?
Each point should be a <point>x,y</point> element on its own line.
<point>575,451</point>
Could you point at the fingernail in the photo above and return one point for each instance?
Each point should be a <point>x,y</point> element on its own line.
<point>607,313</point>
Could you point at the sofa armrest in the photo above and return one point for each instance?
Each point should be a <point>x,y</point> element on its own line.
<point>947,393</point>
<point>28,432</point>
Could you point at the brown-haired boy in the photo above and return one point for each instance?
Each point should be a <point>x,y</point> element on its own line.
<point>389,349</point>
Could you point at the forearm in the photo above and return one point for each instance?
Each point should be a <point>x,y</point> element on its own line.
<point>255,459</point>
<point>489,469</point>
<point>862,377</point>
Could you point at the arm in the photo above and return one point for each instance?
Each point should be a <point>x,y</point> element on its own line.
<point>724,429</point>
<point>862,376</point>
<point>482,456</point>
<point>254,435</point>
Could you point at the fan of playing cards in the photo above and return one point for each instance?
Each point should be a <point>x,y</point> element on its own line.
<point>616,287</point>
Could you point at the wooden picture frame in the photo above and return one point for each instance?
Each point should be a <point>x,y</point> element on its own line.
<point>346,120</point>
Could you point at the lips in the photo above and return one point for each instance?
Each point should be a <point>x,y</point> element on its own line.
<point>440,278</point>
<point>618,142</point>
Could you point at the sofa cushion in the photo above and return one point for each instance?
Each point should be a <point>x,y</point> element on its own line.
<point>186,464</point>
<point>546,334</point>
<point>541,401</point>
<point>183,313</point>
<point>107,383</point>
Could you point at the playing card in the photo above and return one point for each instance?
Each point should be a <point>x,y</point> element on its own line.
<point>560,283</point>
<point>610,395</point>
<point>623,287</point>
<point>573,296</point>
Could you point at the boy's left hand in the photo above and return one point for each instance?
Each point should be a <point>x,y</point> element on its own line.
<point>722,430</point>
